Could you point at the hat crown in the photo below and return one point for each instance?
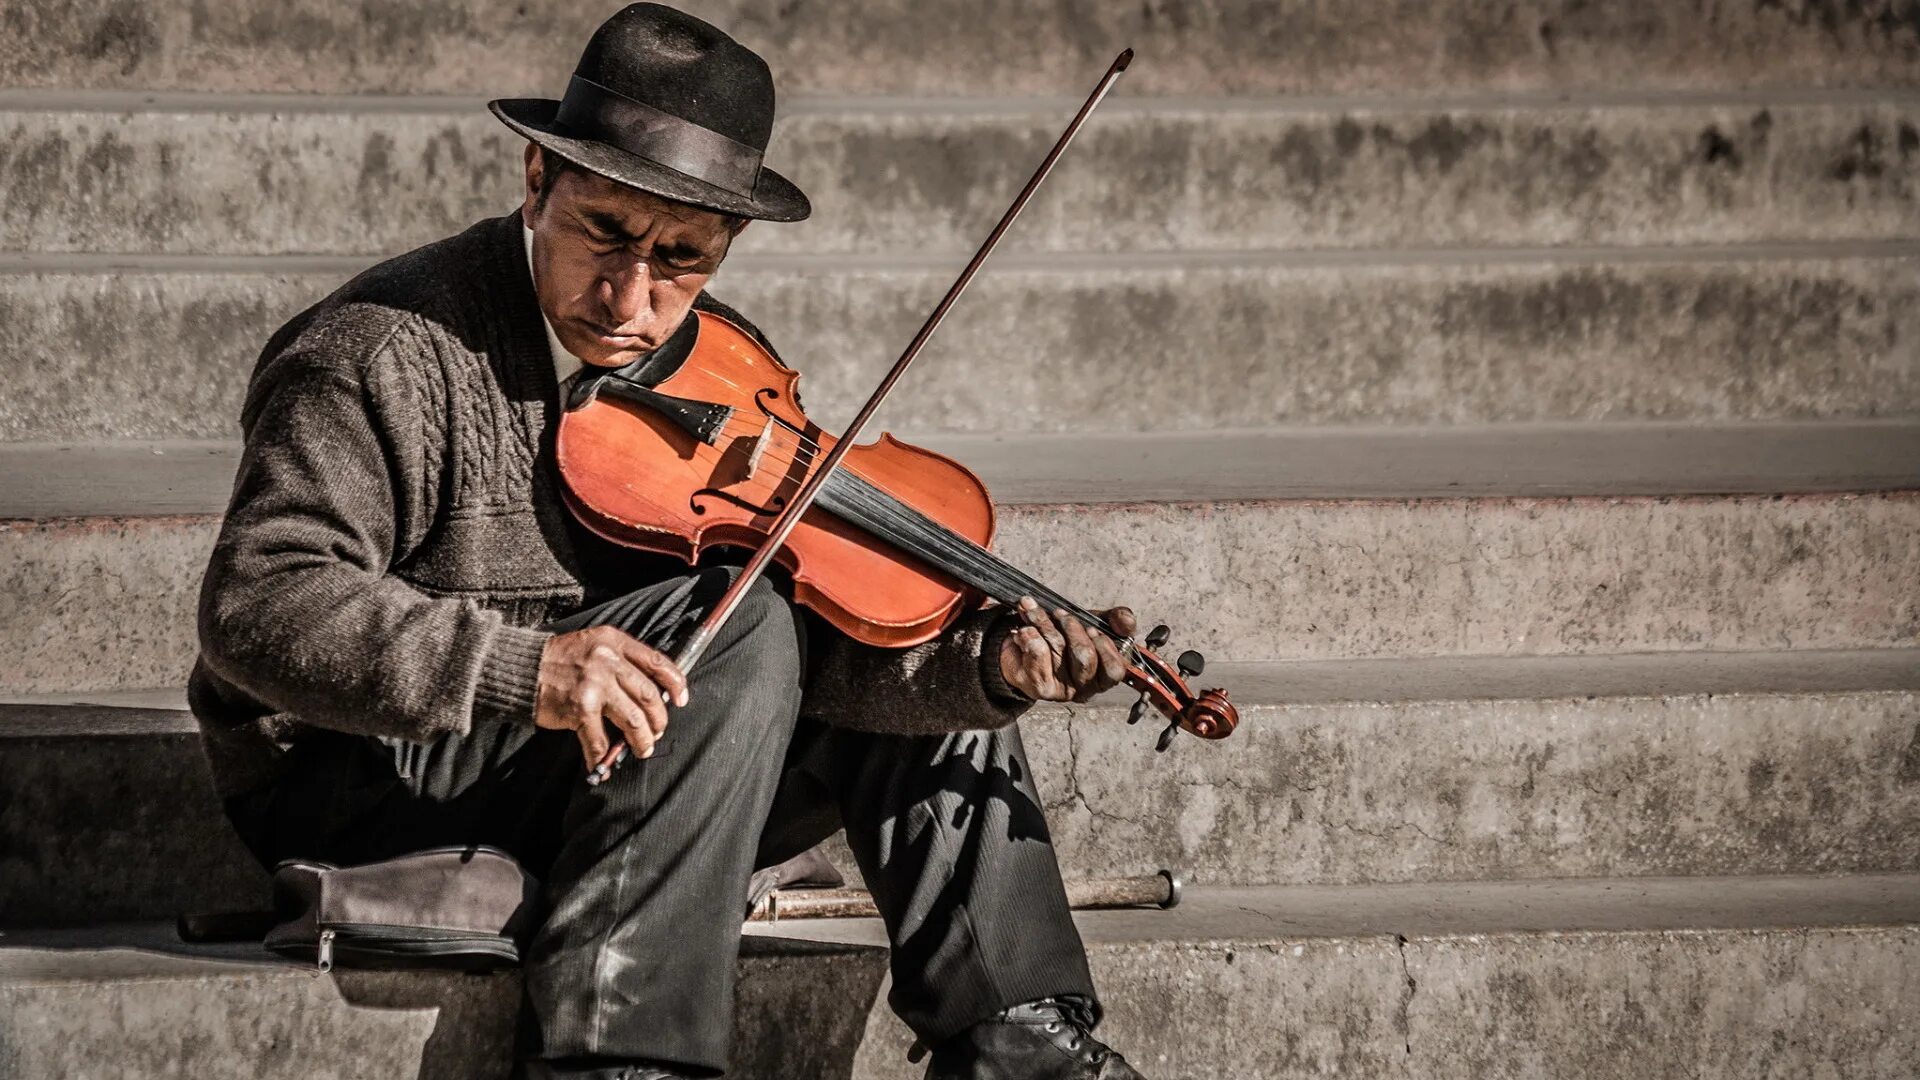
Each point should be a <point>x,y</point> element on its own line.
<point>668,104</point>
<point>684,66</point>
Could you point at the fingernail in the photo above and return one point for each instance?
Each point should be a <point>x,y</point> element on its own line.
<point>647,753</point>
<point>681,698</point>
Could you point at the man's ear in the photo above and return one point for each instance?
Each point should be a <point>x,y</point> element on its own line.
<point>740,225</point>
<point>535,176</point>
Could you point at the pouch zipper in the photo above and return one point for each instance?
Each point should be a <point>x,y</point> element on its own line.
<point>325,955</point>
<point>419,939</point>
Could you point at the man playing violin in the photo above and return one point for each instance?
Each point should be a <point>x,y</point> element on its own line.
<point>408,642</point>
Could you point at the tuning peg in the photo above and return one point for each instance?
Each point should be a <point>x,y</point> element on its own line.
<point>1139,709</point>
<point>1166,738</point>
<point>1158,636</point>
<point>1191,663</point>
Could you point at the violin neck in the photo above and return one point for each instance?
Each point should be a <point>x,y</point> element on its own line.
<point>847,496</point>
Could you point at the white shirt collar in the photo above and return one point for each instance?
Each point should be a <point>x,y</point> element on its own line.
<point>564,362</point>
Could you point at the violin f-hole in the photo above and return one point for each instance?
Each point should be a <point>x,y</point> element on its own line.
<point>773,506</point>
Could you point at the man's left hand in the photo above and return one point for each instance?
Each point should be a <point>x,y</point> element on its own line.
<point>1056,658</point>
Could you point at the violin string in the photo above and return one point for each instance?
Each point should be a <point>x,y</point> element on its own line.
<point>871,506</point>
<point>851,497</point>
<point>908,528</point>
<point>889,517</point>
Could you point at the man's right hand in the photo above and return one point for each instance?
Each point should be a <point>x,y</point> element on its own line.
<point>601,675</point>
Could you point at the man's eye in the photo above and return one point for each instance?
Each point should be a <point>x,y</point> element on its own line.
<point>681,260</point>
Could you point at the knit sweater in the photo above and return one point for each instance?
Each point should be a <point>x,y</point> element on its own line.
<point>396,533</point>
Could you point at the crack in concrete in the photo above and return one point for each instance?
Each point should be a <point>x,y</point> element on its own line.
<point>1406,1001</point>
<point>1389,833</point>
<point>1073,782</point>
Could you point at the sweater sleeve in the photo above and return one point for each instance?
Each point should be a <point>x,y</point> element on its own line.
<point>297,608</point>
<point>951,683</point>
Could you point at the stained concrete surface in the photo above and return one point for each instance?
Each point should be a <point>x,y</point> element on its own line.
<point>1714,335</point>
<point>132,1001</point>
<point>1493,576</point>
<point>1701,784</point>
<point>1708,977</point>
<point>104,603</point>
<point>346,183</point>
<point>1627,985</point>
<point>948,47</point>
<point>42,480</point>
<point>1378,680</point>
<point>1607,979</point>
<point>1346,772</point>
<point>108,603</point>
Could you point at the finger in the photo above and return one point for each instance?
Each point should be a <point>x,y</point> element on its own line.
<point>624,713</point>
<point>1122,620</point>
<point>1044,623</point>
<point>659,667</point>
<point>1110,669</point>
<point>1029,612</point>
<point>1113,666</point>
<point>645,693</point>
<point>593,743</point>
<point>1085,661</point>
<point>1041,663</point>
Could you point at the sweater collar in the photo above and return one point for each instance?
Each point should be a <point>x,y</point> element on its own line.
<point>565,364</point>
<point>527,358</point>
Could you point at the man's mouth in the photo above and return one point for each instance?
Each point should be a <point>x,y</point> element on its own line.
<point>613,340</point>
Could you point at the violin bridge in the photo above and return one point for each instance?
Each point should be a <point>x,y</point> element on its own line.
<point>759,451</point>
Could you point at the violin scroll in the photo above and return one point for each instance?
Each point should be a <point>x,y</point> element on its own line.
<point>1207,713</point>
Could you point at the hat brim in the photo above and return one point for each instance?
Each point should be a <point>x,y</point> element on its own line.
<point>775,198</point>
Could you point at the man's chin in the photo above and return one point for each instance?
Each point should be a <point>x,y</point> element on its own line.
<point>602,351</point>
<point>613,359</point>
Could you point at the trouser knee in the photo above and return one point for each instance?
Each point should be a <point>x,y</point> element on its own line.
<point>765,626</point>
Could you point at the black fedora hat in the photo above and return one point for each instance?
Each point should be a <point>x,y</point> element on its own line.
<point>666,103</point>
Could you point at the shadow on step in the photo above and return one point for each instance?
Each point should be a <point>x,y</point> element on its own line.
<point>105,828</point>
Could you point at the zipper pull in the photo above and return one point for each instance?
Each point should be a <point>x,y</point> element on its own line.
<point>325,957</point>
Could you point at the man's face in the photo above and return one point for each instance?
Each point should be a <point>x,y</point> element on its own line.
<point>616,269</point>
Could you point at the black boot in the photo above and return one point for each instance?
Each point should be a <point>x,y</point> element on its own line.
<point>1041,1040</point>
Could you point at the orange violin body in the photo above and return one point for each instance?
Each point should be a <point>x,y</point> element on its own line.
<point>710,445</point>
<point>640,477</point>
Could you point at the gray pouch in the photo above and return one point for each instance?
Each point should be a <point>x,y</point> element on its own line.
<point>466,908</point>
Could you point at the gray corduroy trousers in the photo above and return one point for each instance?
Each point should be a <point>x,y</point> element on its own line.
<point>646,875</point>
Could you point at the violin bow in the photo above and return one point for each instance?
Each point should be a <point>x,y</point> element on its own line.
<point>790,515</point>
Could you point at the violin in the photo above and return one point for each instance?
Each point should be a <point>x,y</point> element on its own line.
<point>703,443</point>
<point>894,548</point>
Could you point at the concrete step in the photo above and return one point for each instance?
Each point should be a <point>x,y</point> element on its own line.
<point>883,177</point>
<point>106,602</point>
<point>1348,771</point>
<point>496,47</point>
<point>1705,978</point>
<point>195,477</point>
<point>1091,343</point>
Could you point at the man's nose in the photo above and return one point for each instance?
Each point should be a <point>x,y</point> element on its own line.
<point>624,291</point>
